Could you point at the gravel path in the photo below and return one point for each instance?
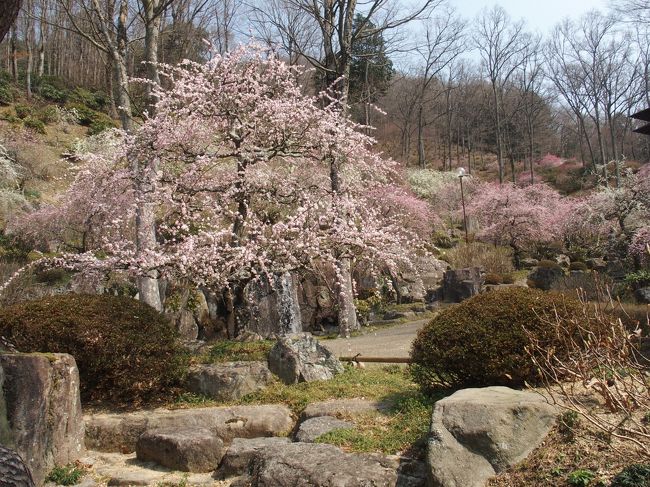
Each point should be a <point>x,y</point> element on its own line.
<point>394,341</point>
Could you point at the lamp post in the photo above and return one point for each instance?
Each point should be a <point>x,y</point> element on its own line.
<point>461,175</point>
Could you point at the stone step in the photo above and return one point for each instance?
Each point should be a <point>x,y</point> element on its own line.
<point>119,433</point>
<point>116,469</point>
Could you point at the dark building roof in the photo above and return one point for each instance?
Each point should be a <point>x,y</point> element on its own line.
<point>643,129</point>
<point>645,116</point>
<point>642,115</point>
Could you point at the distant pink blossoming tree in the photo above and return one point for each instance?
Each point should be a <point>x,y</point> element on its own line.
<point>519,217</point>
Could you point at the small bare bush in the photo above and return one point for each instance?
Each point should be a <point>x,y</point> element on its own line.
<point>590,285</point>
<point>603,362</point>
<point>493,259</point>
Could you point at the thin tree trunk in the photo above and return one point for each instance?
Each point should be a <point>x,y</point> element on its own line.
<point>497,115</point>
<point>421,157</point>
<point>14,54</point>
<point>152,32</point>
<point>29,41</point>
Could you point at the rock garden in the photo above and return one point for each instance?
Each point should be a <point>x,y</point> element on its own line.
<point>238,288</point>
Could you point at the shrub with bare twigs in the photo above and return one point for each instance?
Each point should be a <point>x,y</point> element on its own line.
<point>603,362</point>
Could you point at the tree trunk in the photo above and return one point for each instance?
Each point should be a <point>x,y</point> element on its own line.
<point>14,54</point>
<point>497,116</point>
<point>152,31</point>
<point>8,14</point>
<point>531,154</point>
<point>617,164</point>
<point>29,41</point>
<point>421,157</point>
<point>347,314</point>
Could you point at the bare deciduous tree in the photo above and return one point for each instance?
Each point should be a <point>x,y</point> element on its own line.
<point>501,42</point>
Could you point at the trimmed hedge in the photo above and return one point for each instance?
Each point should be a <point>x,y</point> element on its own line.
<point>481,341</point>
<point>124,349</point>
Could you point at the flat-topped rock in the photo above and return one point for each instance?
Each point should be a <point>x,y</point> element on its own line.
<point>476,433</point>
<point>319,465</point>
<point>312,428</point>
<point>228,381</point>
<point>120,432</point>
<point>187,449</point>
<point>241,451</point>
<point>342,408</point>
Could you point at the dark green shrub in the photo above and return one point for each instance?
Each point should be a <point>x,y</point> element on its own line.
<point>578,266</point>
<point>508,278</point>
<point>637,475</point>
<point>549,264</point>
<point>100,123</point>
<point>94,100</point>
<point>6,94</point>
<point>12,119</point>
<point>48,114</point>
<point>85,115</point>
<point>35,124</point>
<point>493,279</point>
<point>124,349</point>
<point>482,342</point>
<point>94,120</point>
<point>23,111</point>
<point>52,93</point>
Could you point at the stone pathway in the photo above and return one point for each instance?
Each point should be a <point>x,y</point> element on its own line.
<point>393,341</point>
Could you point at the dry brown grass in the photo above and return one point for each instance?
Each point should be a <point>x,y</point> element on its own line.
<point>551,463</point>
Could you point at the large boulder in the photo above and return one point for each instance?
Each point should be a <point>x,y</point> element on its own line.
<point>461,284</point>
<point>43,409</point>
<point>544,276</point>
<point>312,428</point>
<point>120,432</point>
<point>476,433</point>
<point>528,263</point>
<point>317,308</point>
<point>422,281</point>
<point>228,381</point>
<point>563,260</point>
<point>186,449</point>
<point>301,358</point>
<point>271,306</point>
<point>242,450</point>
<point>319,465</point>
<point>642,295</point>
<point>597,264</point>
<point>5,430</point>
<point>13,471</point>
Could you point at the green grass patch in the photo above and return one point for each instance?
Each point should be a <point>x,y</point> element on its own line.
<point>404,428</point>
<point>190,400</point>
<point>377,383</point>
<point>232,351</point>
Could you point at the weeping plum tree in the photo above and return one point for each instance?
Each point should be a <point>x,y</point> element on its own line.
<point>519,217</point>
<point>238,165</point>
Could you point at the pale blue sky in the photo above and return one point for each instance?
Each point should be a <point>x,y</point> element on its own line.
<point>540,15</point>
